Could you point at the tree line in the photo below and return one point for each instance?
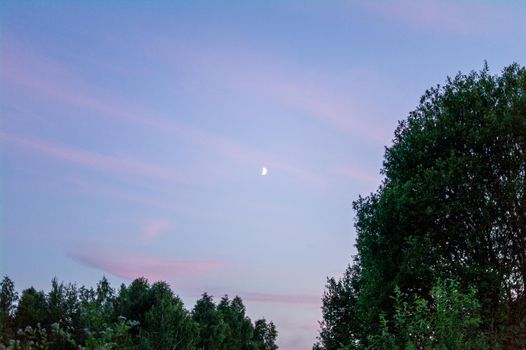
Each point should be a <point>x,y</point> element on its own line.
<point>139,316</point>
<point>441,245</point>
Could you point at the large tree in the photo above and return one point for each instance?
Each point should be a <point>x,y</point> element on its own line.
<point>452,205</point>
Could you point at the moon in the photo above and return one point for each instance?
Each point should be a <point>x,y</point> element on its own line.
<point>264,171</point>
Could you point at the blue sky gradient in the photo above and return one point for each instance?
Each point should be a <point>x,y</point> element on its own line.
<point>132,136</point>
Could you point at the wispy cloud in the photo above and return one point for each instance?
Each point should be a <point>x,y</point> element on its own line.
<point>101,162</point>
<point>310,300</point>
<point>154,229</point>
<point>24,68</point>
<point>453,17</point>
<point>315,102</point>
<point>259,73</point>
<point>27,69</point>
<point>131,266</point>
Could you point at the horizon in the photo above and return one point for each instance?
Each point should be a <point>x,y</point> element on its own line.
<point>134,137</point>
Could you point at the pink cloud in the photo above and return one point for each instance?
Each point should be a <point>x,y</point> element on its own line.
<point>101,162</point>
<point>272,81</point>
<point>154,229</point>
<point>262,74</point>
<point>317,103</point>
<point>24,68</point>
<point>446,16</point>
<point>311,300</point>
<point>131,266</point>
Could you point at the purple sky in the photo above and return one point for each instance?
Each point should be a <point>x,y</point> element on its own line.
<point>132,136</point>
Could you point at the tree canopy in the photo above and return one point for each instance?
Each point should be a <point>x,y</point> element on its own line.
<point>139,316</point>
<point>452,206</point>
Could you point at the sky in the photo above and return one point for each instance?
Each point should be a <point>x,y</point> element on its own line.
<point>133,136</point>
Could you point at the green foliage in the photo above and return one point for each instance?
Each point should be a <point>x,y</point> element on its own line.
<point>8,298</point>
<point>265,334</point>
<point>452,205</point>
<point>139,317</point>
<point>212,329</point>
<point>28,339</point>
<point>239,330</point>
<point>167,324</point>
<point>339,311</point>
<point>32,308</point>
<point>40,338</point>
<point>134,301</point>
<point>116,336</point>
<point>449,320</point>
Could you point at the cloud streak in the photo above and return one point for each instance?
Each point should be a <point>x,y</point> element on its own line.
<point>131,266</point>
<point>307,300</point>
<point>101,162</point>
<point>154,229</point>
<point>451,17</point>
<point>317,103</point>
<point>261,74</point>
<point>18,67</point>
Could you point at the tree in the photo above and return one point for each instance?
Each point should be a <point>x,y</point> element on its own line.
<point>167,324</point>
<point>212,331</point>
<point>8,298</point>
<point>99,322</point>
<point>452,205</point>
<point>135,300</point>
<point>265,335</point>
<point>449,320</point>
<point>239,328</point>
<point>339,311</point>
<point>115,336</point>
<point>104,294</point>
<point>140,317</point>
<point>56,302</point>
<point>32,309</point>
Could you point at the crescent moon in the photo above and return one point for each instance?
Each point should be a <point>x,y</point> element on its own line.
<point>264,171</point>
